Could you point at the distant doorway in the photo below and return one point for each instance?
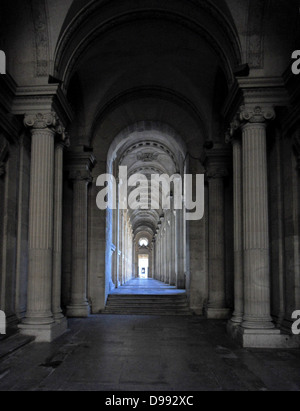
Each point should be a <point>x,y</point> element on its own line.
<point>143,266</point>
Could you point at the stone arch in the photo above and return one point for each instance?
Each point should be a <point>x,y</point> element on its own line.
<point>128,145</point>
<point>204,18</point>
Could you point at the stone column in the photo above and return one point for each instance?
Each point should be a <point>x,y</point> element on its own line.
<point>180,244</point>
<point>162,257</point>
<point>168,245</point>
<point>157,254</point>
<point>153,258</point>
<point>126,248</point>
<point>165,258</point>
<point>57,242</point>
<point>237,317</point>
<point>216,172</point>
<point>133,257</point>
<point>120,271</point>
<point>123,248</point>
<point>255,219</point>
<point>39,319</point>
<point>80,164</point>
<point>172,245</point>
<point>136,261</point>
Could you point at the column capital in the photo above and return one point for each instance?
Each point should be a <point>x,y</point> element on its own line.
<point>80,163</point>
<point>216,172</point>
<point>256,114</point>
<point>247,115</point>
<point>42,121</point>
<point>63,140</point>
<point>80,175</point>
<point>217,161</point>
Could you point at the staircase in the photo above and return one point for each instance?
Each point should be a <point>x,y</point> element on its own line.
<point>174,304</point>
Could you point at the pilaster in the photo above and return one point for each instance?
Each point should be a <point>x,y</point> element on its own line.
<point>235,140</point>
<point>61,143</point>
<point>79,164</point>
<point>217,171</point>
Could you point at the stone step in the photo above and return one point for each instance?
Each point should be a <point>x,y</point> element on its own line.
<point>140,302</point>
<point>13,343</point>
<point>141,298</point>
<point>147,305</point>
<point>147,313</point>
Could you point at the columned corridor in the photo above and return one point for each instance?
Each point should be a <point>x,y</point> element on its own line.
<point>149,194</point>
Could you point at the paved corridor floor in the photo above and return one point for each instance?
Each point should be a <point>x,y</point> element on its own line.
<point>147,353</point>
<point>146,286</point>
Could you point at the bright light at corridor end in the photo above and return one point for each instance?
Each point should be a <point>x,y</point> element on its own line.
<point>152,194</point>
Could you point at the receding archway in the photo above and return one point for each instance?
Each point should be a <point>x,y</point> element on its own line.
<point>146,228</point>
<point>121,83</point>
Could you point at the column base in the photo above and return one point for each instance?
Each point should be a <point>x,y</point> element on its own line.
<point>111,285</point>
<point>58,316</point>
<point>232,329</point>
<point>61,321</point>
<point>217,313</point>
<point>180,285</point>
<point>78,310</point>
<point>45,332</point>
<point>251,338</point>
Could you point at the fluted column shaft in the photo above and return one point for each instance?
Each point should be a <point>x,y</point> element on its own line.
<point>161,255</point>
<point>216,244</point>
<point>169,246</point>
<point>165,253</point>
<point>173,246</point>
<point>217,170</point>
<point>40,237</point>
<point>57,240</point>
<point>238,232</point>
<point>79,306</point>
<point>256,229</point>
<point>79,163</point>
<point>180,243</point>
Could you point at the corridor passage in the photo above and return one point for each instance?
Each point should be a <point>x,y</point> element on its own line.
<point>146,286</point>
<point>136,353</point>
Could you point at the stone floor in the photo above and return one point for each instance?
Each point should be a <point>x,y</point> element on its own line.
<point>146,286</point>
<point>136,353</point>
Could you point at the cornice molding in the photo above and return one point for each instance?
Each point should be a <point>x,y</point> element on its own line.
<point>80,175</point>
<point>80,163</point>
<point>217,162</point>
<point>255,92</point>
<point>214,172</point>
<point>42,99</point>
